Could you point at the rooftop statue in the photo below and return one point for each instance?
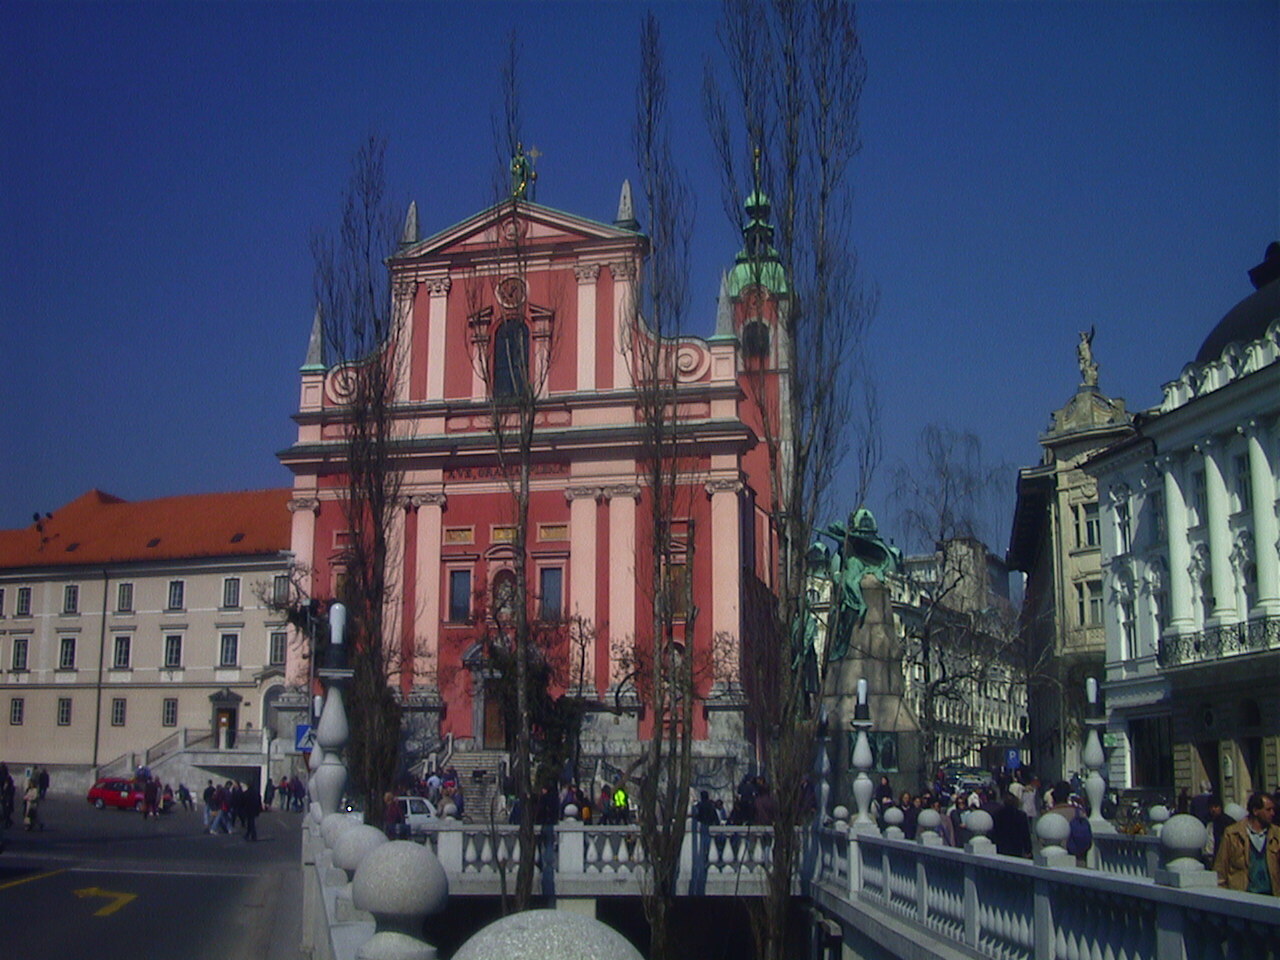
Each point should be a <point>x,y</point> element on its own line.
<point>1084,354</point>
<point>521,174</point>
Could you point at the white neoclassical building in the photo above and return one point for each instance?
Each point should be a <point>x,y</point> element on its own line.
<point>1191,576</point>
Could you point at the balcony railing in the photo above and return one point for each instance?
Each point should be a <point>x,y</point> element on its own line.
<point>1219,643</point>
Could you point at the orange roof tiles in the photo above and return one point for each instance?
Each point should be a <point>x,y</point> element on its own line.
<point>98,528</point>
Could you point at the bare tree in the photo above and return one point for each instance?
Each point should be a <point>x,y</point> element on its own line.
<point>797,73</point>
<point>362,323</point>
<point>958,634</point>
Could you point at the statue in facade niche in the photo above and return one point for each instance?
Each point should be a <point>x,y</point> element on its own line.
<point>1084,354</point>
<point>859,550</point>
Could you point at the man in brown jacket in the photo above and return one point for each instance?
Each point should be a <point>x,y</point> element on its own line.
<point>1249,856</point>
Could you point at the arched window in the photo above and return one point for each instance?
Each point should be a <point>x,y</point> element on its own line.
<point>511,359</point>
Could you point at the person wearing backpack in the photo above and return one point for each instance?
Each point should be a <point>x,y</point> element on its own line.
<point>1080,837</point>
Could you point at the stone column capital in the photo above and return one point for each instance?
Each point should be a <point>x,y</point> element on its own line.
<point>425,500</point>
<point>586,272</point>
<point>621,490</point>
<point>302,504</point>
<point>583,493</point>
<point>439,287</point>
<point>623,270</point>
<point>724,485</point>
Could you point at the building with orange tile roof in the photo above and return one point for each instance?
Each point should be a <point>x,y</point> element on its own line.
<point>140,633</point>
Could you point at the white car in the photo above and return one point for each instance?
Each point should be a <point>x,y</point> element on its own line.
<point>418,813</point>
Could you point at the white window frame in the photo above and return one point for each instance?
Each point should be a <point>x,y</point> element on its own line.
<point>178,592</point>
<point>64,711</point>
<point>119,711</point>
<point>23,608</point>
<point>223,661</point>
<point>17,711</point>
<point>65,644</point>
<point>558,614</point>
<point>174,663</point>
<point>449,610</point>
<point>281,638</point>
<point>231,593</point>
<point>1,602</point>
<point>122,643</point>
<point>280,588</point>
<point>22,644</point>
<point>169,712</point>
<point>70,598</point>
<point>124,597</point>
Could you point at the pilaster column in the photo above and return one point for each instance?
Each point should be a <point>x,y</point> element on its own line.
<point>1265,534</point>
<point>582,570</point>
<point>622,568</point>
<point>1175,508</point>
<point>1224,582</point>
<point>302,541</point>
<point>726,559</point>
<point>402,295</point>
<point>426,626</point>
<point>624,273</point>
<point>587,275</point>
<point>436,346</point>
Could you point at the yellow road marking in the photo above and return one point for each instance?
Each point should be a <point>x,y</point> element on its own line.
<point>121,899</point>
<point>38,876</point>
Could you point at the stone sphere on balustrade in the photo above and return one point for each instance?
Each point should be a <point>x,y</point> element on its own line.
<point>400,881</point>
<point>1158,814</point>
<point>571,812</point>
<point>354,844</point>
<point>334,825</point>
<point>449,811</point>
<point>841,812</point>
<point>978,821</point>
<point>539,934</point>
<point>893,816</point>
<point>1053,829</point>
<point>1183,837</point>
<point>1235,812</point>
<point>929,819</point>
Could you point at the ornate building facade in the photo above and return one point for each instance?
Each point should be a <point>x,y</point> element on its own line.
<point>1191,571</point>
<point>560,291</point>
<point>1056,541</point>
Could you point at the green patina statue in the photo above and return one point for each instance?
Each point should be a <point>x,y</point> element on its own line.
<point>521,174</point>
<point>859,550</point>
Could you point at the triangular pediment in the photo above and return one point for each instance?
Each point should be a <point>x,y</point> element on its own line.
<point>538,226</point>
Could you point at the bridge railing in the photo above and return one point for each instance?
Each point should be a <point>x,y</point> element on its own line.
<point>1009,908</point>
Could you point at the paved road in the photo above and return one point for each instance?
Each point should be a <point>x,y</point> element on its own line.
<point>101,883</point>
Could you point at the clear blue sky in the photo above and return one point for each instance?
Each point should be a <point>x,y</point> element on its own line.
<point>1028,170</point>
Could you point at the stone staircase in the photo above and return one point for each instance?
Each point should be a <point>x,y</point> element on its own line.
<point>480,773</point>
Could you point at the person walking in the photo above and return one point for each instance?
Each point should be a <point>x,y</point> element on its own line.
<point>31,806</point>
<point>269,794</point>
<point>251,806</point>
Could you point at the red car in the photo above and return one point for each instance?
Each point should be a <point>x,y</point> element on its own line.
<point>117,792</point>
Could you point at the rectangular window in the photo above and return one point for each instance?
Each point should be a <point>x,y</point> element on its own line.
<point>20,653</point>
<point>1,601</point>
<point>229,650</point>
<point>1095,603</point>
<point>459,534</point>
<point>1156,501</point>
<point>120,655</point>
<point>71,598</point>
<point>1244,492</point>
<point>124,598</point>
<point>177,594</point>
<point>279,642</point>
<point>169,712</point>
<point>17,710</point>
<point>553,531</point>
<point>24,602</point>
<point>1128,635</point>
<point>64,711</point>
<point>503,535</point>
<point>1200,497</point>
<point>1091,524</point>
<point>67,654</point>
<point>231,592</point>
<point>173,651</point>
<point>117,712</point>
<point>1076,527</point>
<point>459,596</point>
<point>551,593</point>
<point>1123,527</point>
<point>280,588</point>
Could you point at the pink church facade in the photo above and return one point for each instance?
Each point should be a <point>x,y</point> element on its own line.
<point>572,293</point>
